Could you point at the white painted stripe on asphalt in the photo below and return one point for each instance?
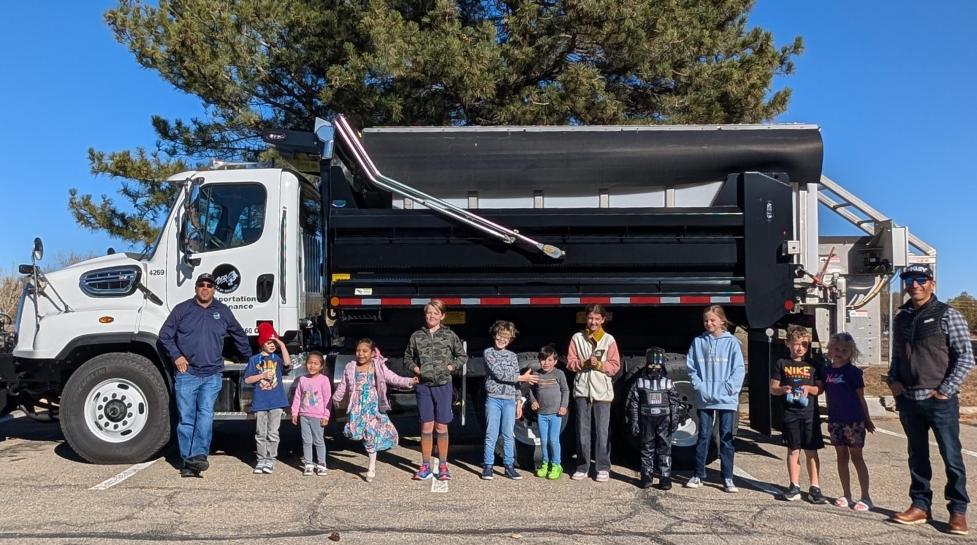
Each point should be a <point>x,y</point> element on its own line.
<point>11,416</point>
<point>105,485</point>
<point>754,482</point>
<point>439,487</point>
<point>933,443</point>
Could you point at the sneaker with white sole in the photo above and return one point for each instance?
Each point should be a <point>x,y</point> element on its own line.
<point>309,470</point>
<point>486,473</point>
<point>603,476</point>
<point>693,482</point>
<point>268,468</point>
<point>259,468</point>
<point>730,487</point>
<point>321,469</point>
<point>578,475</point>
<point>792,493</point>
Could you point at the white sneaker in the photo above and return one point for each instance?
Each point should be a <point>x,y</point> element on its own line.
<point>578,476</point>
<point>603,476</point>
<point>309,470</point>
<point>259,468</point>
<point>321,470</point>
<point>694,482</point>
<point>730,487</point>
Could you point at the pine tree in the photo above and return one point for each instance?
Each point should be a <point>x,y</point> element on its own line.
<point>258,64</point>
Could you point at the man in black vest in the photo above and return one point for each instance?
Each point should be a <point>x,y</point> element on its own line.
<point>931,356</point>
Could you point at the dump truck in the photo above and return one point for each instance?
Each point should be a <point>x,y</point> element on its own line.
<point>350,234</point>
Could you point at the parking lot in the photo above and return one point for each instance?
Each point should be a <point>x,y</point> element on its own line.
<point>50,496</point>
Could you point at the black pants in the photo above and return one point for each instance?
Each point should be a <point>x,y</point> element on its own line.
<point>656,445</point>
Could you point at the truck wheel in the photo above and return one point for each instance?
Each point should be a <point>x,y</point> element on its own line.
<point>115,409</point>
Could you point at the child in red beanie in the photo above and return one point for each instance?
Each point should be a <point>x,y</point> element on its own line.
<point>264,371</point>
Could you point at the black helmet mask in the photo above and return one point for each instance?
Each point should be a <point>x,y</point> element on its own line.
<point>655,362</point>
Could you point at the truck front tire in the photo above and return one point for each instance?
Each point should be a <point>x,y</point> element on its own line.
<point>115,409</point>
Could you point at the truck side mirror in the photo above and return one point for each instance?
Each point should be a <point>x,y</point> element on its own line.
<point>38,249</point>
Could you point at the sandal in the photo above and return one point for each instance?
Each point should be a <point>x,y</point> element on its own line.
<point>841,501</point>
<point>863,505</point>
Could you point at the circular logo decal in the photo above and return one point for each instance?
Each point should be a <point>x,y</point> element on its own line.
<point>226,278</point>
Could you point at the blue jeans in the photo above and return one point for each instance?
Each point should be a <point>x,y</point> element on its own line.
<point>549,437</point>
<point>500,416</point>
<point>726,450</point>
<point>195,398</point>
<point>943,417</point>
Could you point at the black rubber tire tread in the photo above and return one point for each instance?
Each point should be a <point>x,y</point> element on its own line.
<point>134,368</point>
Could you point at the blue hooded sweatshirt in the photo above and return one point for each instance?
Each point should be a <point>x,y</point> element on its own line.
<point>716,369</point>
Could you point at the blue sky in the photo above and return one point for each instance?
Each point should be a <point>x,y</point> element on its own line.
<point>891,83</point>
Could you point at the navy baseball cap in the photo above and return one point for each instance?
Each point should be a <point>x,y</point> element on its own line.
<point>204,277</point>
<point>917,269</point>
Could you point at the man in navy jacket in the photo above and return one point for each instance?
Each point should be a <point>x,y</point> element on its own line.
<point>193,338</point>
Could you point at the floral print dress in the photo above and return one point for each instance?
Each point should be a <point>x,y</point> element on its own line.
<point>365,422</point>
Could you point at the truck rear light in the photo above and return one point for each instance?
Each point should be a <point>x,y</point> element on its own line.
<point>789,305</point>
<point>334,302</point>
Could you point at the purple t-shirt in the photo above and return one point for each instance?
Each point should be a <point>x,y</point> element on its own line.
<point>841,383</point>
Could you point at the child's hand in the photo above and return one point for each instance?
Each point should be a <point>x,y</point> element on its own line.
<point>324,422</point>
<point>295,420</point>
<point>535,405</point>
<point>869,425</point>
<point>529,377</point>
<point>416,380</point>
<point>518,411</point>
<point>451,368</point>
<point>416,370</point>
<point>562,411</point>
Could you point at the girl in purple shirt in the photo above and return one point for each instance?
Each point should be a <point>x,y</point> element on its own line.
<point>848,418</point>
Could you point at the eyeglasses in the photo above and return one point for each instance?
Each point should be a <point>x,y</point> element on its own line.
<point>205,285</point>
<point>910,280</point>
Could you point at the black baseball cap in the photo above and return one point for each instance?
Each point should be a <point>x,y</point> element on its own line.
<point>917,269</point>
<point>204,277</point>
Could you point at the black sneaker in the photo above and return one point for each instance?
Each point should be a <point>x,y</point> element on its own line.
<point>486,473</point>
<point>815,496</point>
<point>511,473</point>
<point>792,493</point>
<point>188,472</point>
<point>198,464</point>
<point>665,483</point>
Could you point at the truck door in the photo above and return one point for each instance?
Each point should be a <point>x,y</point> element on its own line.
<point>231,229</point>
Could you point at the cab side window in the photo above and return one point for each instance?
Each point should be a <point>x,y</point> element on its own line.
<point>224,216</point>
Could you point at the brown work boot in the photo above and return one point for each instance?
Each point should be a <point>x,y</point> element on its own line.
<point>913,515</point>
<point>957,524</point>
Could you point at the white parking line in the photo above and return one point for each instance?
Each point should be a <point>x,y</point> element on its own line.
<point>105,485</point>
<point>895,434</point>
<point>11,416</point>
<point>754,482</point>
<point>437,486</point>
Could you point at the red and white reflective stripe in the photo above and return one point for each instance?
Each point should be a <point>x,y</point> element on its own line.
<point>543,301</point>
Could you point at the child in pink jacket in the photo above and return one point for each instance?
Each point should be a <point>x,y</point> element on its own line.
<point>366,380</point>
<point>311,406</point>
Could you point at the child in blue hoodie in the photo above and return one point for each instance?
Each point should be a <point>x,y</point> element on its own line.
<point>716,369</point>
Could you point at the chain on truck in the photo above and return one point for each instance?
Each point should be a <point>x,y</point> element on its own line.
<point>527,224</point>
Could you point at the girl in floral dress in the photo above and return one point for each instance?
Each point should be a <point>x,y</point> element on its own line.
<point>365,381</point>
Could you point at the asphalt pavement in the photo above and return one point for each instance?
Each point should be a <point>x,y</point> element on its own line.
<point>51,496</point>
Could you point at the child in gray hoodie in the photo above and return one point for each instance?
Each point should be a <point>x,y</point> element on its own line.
<point>716,369</point>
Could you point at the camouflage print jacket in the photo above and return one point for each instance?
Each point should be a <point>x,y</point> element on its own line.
<point>433,353</point>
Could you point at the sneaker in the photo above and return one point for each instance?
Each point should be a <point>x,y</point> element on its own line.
<point>694,482</point>
<point>259,468</point>
<point>579,475</point>
<point>645,481</point>
<point>443,473</point>
<point>603,476</point>
<point>556,470</point>
<point>543,470</point>
<point>815,496</point>
<point>198,464</point>
<point>792,493</point>
<point>665,483</point>
<point>321,469</point>
<point>370,475</point>
<point>730,487</point>
<point>268,468</point>
<point>511,473</point>
<point>486,473</point>
<point>309,470</point>
<point>187,472</point>
<point>423,472</point>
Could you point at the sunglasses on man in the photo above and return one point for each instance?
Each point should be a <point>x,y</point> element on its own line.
<point>205,285</point>
<point>910,280</point>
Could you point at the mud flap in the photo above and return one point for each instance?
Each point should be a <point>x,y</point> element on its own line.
<point>7,402</point>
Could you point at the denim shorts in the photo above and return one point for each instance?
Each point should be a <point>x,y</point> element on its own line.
<point>434,403</point>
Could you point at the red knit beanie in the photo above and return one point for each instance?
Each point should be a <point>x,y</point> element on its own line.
<point>266,332</point>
